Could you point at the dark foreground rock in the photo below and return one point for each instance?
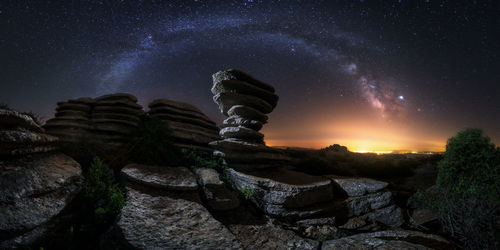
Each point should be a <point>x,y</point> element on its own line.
<point>392,239</point>
<point>33,190</point>
<point>161,222</point>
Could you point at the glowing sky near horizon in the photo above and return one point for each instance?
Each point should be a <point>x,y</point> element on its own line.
<point>374,76</point>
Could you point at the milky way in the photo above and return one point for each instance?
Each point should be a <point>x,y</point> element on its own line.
<point>421,70</point>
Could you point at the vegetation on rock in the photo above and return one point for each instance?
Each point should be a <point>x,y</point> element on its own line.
<point>152,144</point>
<point>102,192</point>
<point>467,194</point>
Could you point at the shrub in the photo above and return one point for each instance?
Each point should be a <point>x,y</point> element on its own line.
<point>152,144</point>
<point>467,195</point>
<point>248,193</point>
<point>194,159</point>
<point>102,193</point>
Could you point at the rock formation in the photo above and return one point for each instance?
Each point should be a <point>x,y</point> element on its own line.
<point>191,128</point>
<point>245,101</point>
<point>19,135</point>
<point>108,119</point>
<point>163,211</point>
<point>36,184</point>
<point>265,173</point>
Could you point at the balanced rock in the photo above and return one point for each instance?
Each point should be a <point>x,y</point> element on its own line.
<point>245,101</point>
<point>359,186</point>
<point>20,135</point>
<point>33,191</point>
<point>215,192</point>
<point>190,127</point>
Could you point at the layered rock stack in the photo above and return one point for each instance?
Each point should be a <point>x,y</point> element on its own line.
<point>72,120</point>
<point>108,119</point>
<point>36,184</point>
<point>114,117</point>
<point>191,128</point>
<point>20,135</point>
<point>245,101</point>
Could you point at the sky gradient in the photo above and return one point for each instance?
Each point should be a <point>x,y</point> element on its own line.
<point>371,75</point>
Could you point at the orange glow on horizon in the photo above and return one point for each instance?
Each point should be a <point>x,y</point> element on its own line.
<point>358,136</point>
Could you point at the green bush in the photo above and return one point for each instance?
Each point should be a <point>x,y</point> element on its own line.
<point>248,193</point>
<point>467,195</point>
<point>152,144</point>
<point>102,193</point>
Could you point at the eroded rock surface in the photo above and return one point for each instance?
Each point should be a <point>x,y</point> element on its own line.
<point>161,222</point>
<point>33,190</point>
<point>215,192</point>
<point>191,128</point>
<point>170,178</point>
<point>391,239</point>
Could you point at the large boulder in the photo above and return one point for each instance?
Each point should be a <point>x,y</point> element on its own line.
<point>33,191</point>
<point>191,128</point>
<point>283,192</point>
<point>72,120</point>
<point>163,211</point>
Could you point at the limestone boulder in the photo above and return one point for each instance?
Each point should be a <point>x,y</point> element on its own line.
<point>34,190</point>
<point>160,222</point>
<point>215,192</point>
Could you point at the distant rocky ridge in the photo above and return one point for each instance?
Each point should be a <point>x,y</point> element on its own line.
<point>36,183</point>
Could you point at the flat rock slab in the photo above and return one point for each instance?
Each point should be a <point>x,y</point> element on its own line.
<point>389,240</point>
<point>269,236</point>
<point>160,222</point>
<point>234,74</point>
<point>35,189</point>
<point>170,178</point>
<point>358,186</point>
<point>284,188</point>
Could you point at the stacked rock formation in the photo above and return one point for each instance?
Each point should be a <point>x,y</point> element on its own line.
<point>72,120</point>
<point>114,117</point>
<point>245,101</point>
<point>191,128</point>
<point>20,134</point>
<point>36,184</point>
<point>108,119</point>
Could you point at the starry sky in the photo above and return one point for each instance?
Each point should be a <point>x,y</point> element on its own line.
<point>371,75</point>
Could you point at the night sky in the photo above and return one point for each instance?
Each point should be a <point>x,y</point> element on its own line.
<point>371,75</point>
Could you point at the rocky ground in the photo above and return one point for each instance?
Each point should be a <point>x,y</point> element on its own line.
<point>258,198</point>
